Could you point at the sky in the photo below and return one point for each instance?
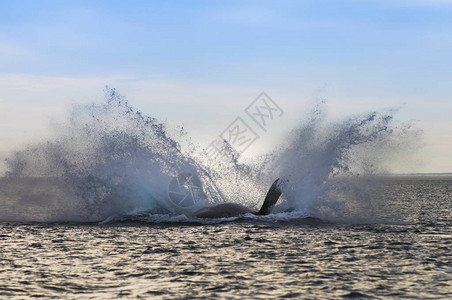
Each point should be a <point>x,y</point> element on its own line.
<point>201,63</point>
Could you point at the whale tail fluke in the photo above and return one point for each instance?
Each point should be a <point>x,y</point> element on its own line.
<point>270,200</point>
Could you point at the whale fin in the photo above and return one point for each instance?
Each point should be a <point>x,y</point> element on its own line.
<point>270,200</point>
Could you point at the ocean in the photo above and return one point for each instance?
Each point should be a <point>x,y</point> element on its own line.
<point>252,257</point>
<point>104,209</point>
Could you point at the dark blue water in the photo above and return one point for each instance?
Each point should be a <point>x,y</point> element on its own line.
<point>281,256</point>
<point>98,211</point>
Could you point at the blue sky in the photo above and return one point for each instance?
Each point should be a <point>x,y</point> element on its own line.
<point>179,60</point>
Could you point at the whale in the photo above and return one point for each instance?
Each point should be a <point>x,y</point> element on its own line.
<point>229,210</point>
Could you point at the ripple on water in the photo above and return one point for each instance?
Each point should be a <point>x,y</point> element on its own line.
<point>243,258</point>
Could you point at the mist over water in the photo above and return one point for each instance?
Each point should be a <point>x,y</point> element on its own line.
<point>108,160</point>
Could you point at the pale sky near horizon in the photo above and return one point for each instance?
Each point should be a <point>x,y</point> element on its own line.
<point>180,60</point>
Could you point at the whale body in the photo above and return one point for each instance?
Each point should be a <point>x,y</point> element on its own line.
<point>224,210</point>
<point>228,210</point>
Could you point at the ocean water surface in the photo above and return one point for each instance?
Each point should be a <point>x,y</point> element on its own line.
<point>104,208</point>
<point>282,256</point>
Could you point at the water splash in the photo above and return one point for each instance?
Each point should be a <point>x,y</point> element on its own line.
<point>112,159</point>
<point>331,169</point>
<point>109,160</point>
